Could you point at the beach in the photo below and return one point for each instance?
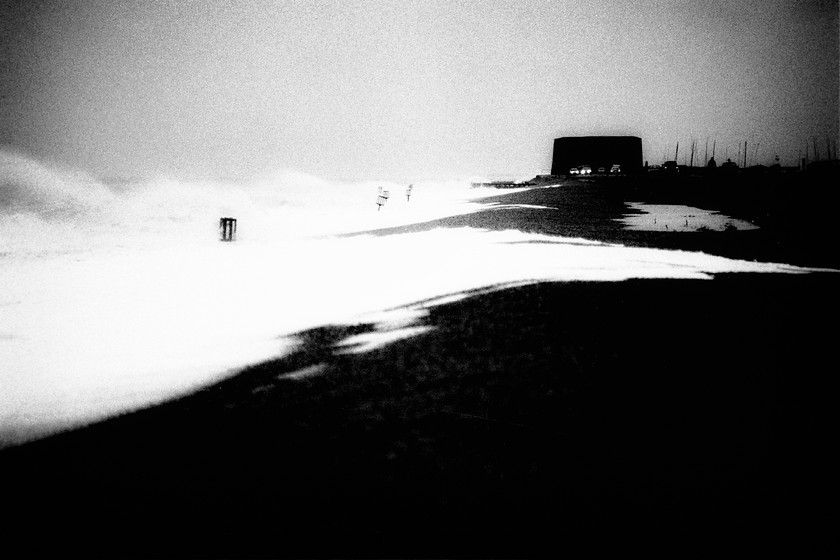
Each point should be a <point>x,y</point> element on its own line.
<point>520,419</point>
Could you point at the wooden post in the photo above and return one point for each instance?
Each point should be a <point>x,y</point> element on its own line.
<point>227,229</point>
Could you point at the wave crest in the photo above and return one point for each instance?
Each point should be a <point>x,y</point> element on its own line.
<point>28,186</point>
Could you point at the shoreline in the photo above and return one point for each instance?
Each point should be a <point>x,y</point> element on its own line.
<point>791,232</point>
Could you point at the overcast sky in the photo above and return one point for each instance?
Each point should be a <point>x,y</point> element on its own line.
<point>405,91</point>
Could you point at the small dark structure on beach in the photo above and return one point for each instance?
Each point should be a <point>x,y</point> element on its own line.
<point>597,151</point>
<point>729,167</point>
<point>227,229</point>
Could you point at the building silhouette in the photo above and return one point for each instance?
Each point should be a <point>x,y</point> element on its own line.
<point>597,152</point>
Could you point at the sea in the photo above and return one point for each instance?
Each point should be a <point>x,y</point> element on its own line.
<point>117,295</point>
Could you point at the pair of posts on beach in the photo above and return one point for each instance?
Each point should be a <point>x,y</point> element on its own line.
<point>227,226</point>
<point>385,195</point>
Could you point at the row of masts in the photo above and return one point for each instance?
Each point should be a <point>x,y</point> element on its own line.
<point>749,155</point>
<point>831,150</point>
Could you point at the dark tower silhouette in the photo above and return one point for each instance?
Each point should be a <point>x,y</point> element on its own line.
<point>597,151</point>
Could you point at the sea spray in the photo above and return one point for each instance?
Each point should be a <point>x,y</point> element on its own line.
<point>49,210</point>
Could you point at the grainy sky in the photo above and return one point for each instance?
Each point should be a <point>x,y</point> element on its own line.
<point>398,90</point>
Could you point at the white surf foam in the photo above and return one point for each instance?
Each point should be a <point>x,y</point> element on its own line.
<point>679,218</point>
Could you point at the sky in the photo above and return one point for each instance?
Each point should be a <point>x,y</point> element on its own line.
<point>408,91</point>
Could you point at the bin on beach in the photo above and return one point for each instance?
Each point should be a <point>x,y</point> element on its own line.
<point>227,229</point>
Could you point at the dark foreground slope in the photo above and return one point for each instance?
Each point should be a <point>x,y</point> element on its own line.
<point>534,421</point>
<point>530,421</point>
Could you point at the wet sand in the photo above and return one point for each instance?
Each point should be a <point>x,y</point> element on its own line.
<point>530,421</point>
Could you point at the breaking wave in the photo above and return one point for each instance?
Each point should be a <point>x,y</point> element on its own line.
<point>46,209</point>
